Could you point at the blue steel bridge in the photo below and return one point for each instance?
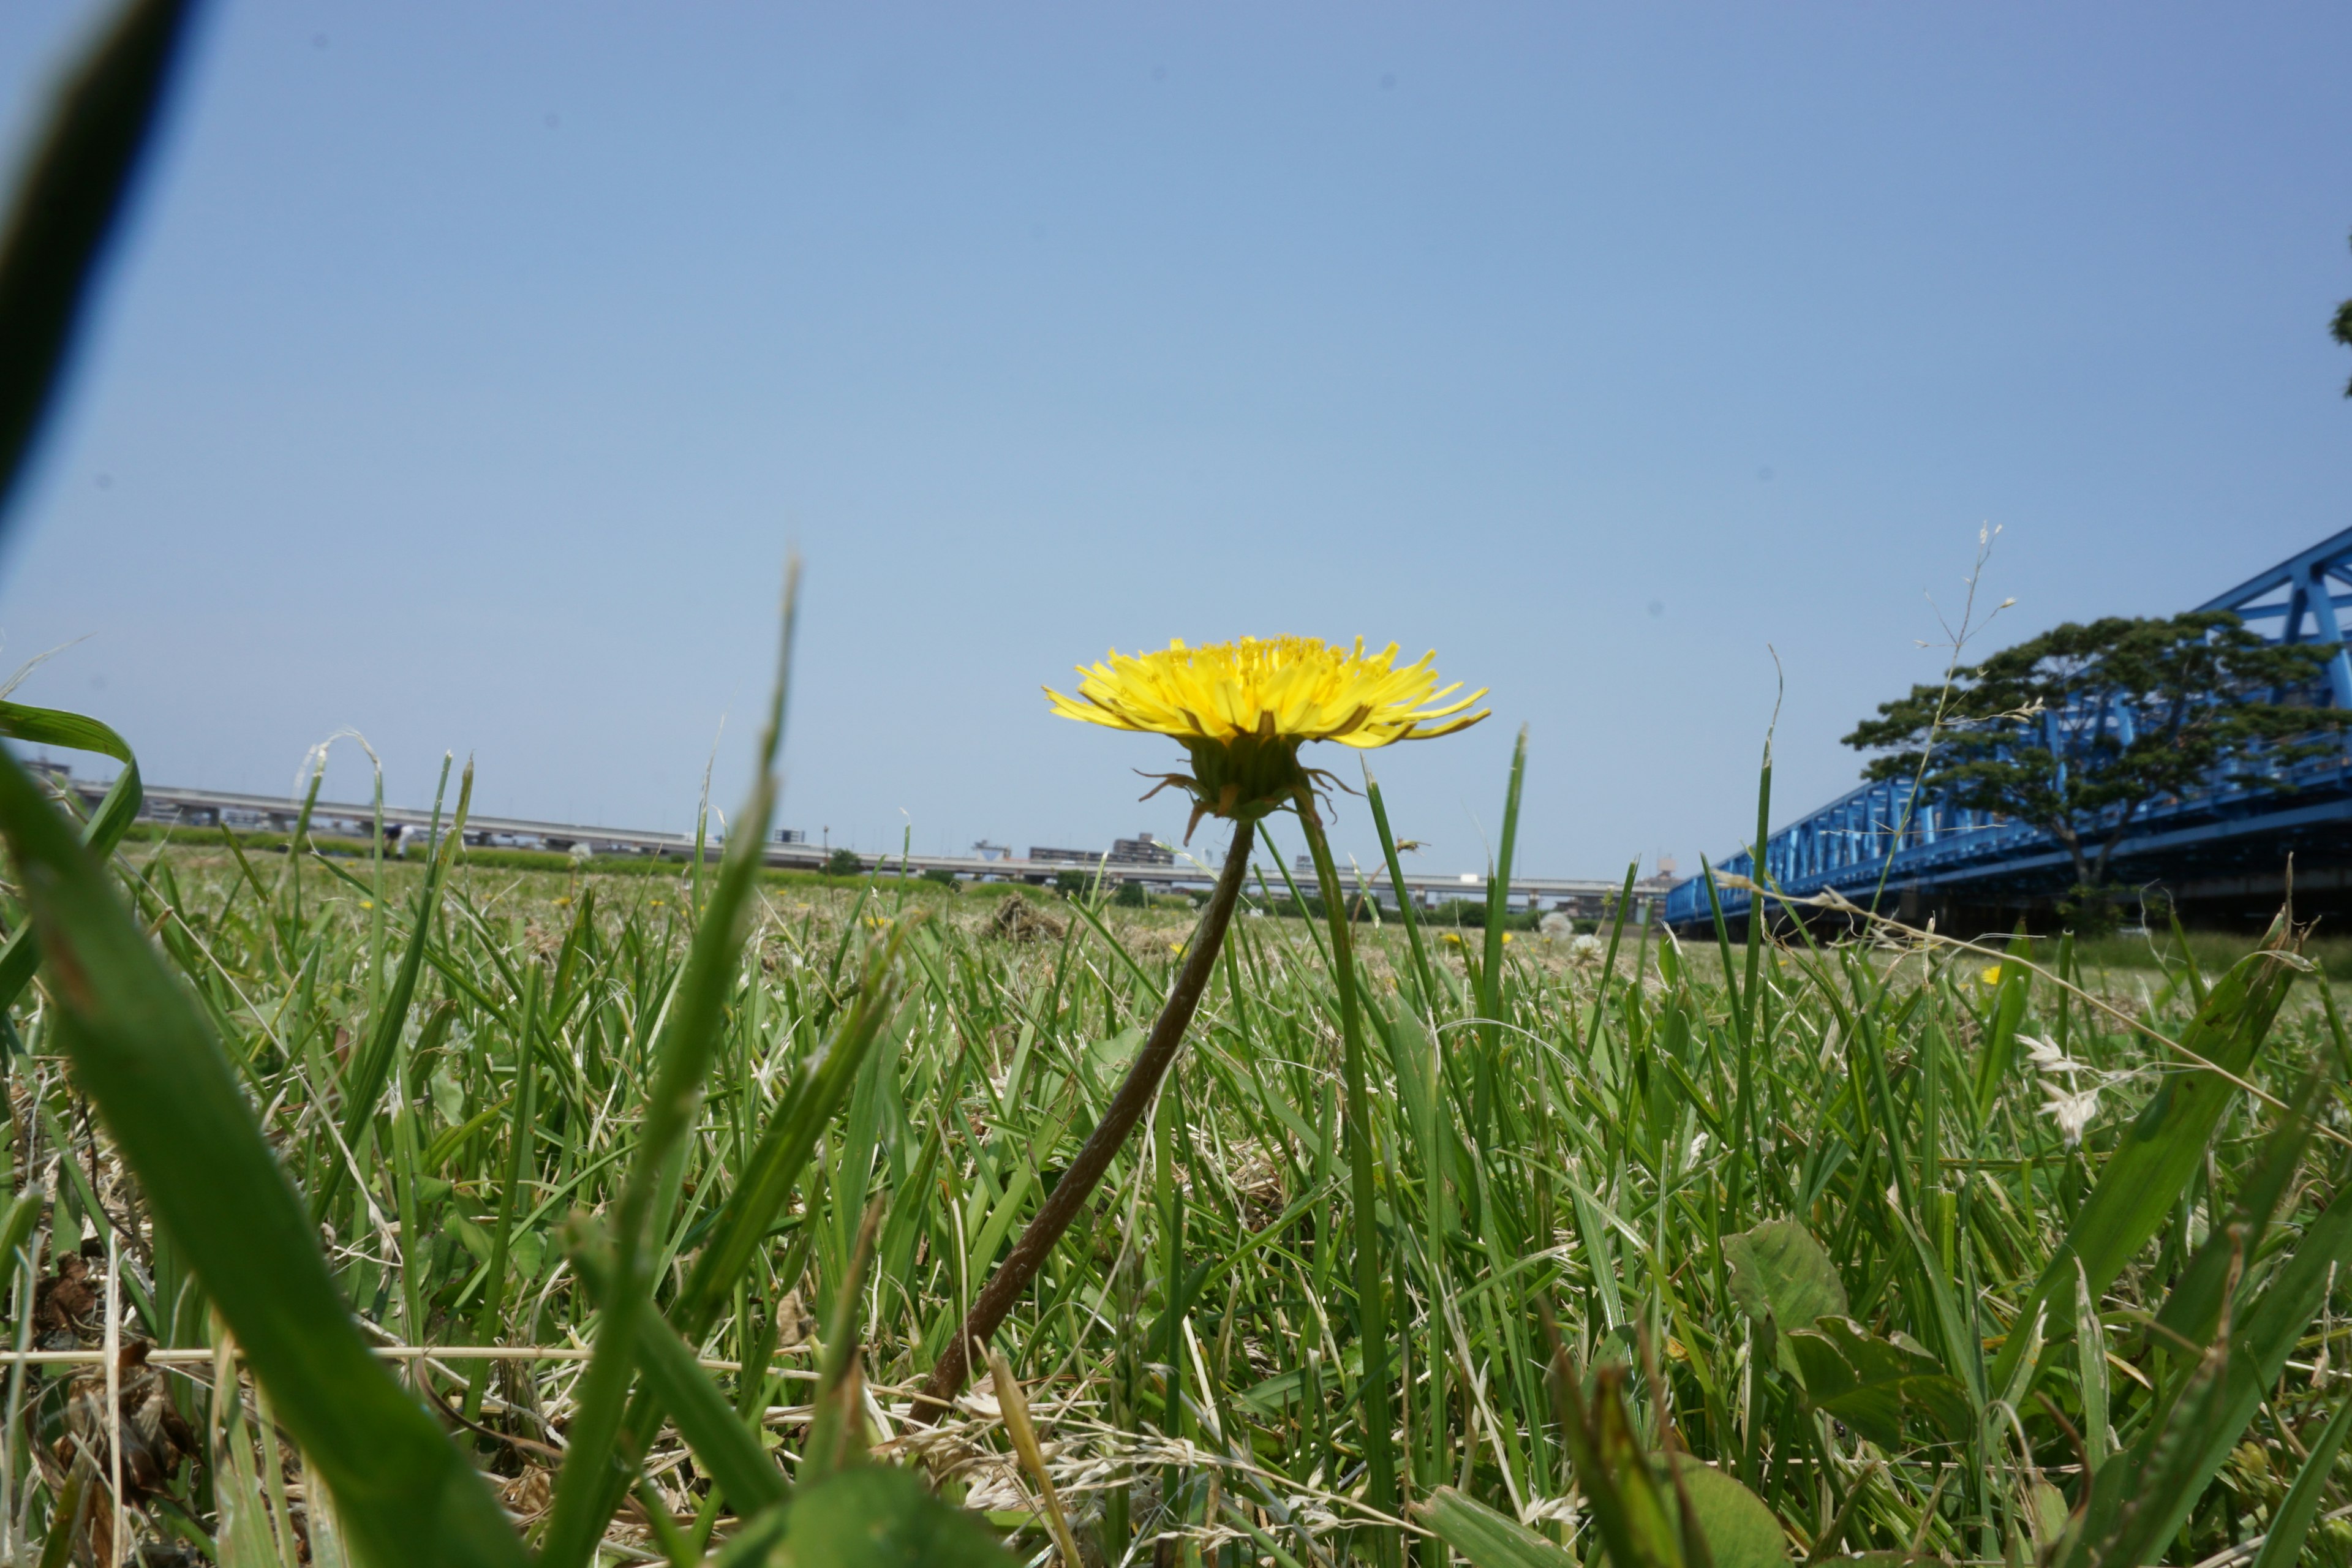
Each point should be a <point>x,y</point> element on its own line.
<point>2223,847</point>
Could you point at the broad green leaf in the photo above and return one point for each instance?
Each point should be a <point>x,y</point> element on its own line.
<point>1783,1279</point>
<point>171,1100</point>
<point>1107,1058</point>
<point>1740,1531</point>
<point>867,1516</point>
<point>2163,1148</point>
<point>1488,1539</point>
<point>1874,1386</point>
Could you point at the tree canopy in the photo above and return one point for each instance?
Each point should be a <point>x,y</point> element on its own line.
<point>2342,329</point>
<point>2078,730</point>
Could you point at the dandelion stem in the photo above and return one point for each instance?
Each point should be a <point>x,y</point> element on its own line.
<point>1110,1134</point>
<point>1371,1302</point>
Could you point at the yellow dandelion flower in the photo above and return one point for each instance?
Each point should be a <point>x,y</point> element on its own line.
<point>1991,975</point>
<point>1243,708</point>
<point>562,901</point>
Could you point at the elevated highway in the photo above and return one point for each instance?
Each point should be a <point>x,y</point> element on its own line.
<point>203,810</point>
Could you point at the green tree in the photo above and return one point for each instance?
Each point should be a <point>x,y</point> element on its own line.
<point>2078,730</point>
<point>844,863</point>
<point>2342,332</point>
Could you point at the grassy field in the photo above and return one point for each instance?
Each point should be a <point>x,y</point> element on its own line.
<point>1682,1175</point>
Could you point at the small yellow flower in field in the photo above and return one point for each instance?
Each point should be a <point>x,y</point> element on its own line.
<point>562,901</point>
<point>1991,975</point>
<point>1244,708</point>
<point>367,903</point>
<point>1453,937</point>
<point>1507,936</point>
<point>1175,947</point>
<point>657,903</point>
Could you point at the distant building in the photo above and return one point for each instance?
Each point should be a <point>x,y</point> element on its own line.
<point>988,851</point>
<point>1141,850</point>
<point>1066,856</point>
<point>790,836</point>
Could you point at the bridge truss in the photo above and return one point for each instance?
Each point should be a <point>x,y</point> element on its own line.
<point>1881,845</point>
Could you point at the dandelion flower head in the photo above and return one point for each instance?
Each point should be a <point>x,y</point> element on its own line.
<point>1292,688</point>
<point>1243,708</point>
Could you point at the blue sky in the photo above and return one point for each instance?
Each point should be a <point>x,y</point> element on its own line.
<point>468,370</point>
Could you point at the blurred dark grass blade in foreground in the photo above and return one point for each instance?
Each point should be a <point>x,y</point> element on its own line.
<point>69,202</point>
<point>172,1101</point>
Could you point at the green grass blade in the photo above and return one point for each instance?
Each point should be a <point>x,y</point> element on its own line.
<point>16,1227</point>
<point>2091,1362</point>
<point>712,1428</point>
<point>769,1175</point>
<point>1372,1264</point>
<point>172,1103</point>
<point>2168,1469</point>
<point>2143,1177</point>
<point>116,811</point>
<point>1498,897</point>
<point>2194,1307</point>
<point>2283,1546</point>
<point>1406,912</point>
<point>522,1163</point>
<point>366,1085</point>
<point>683,1054</point>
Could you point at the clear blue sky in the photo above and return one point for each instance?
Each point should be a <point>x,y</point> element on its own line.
<point>468,370</point>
